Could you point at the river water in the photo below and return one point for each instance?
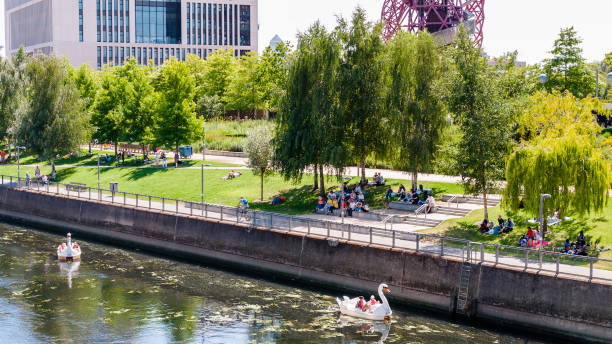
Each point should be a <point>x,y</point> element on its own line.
<point>115,295</point>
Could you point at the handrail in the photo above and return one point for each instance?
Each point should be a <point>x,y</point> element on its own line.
<point>332,230</point>
<point>420,210</point>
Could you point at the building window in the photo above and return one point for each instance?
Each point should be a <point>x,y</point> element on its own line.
<point>156,56</point>
<point>127,21</point>
<point>80,20</point>
<point>121,22</point>
<point>199,28</point>
<point>231,24</point>
<point>220,16</point>
<point>215,23</point>
<point>188,24</point>
<point>209,21</point>
<point>204,23</point>
<point>193,23</point>
<point>98,24</point>
<point>245,25</point>
<point>110,20</point>
<point>99,56</point>
<point>225,24</point>
<point>158,21</point>
<point>145,60</point>
<point>103,20</point>
<point>110,55</point>
<point>236,24</point>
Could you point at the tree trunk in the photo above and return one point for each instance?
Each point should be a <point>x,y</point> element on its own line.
<point>144,153</point>
<point>322,181</point>
<point>316,178</point>
<point>9,145</point>
<point>262,181</point>
<point>363,176</point>
<point>90,148</point>
<point>116,154</point>
<point>415,176</point>
<point>52,166</point>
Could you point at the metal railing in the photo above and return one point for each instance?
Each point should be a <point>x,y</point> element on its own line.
<point>518,257</point>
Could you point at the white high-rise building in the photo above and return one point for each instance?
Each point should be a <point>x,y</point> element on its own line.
<point>99,32</point>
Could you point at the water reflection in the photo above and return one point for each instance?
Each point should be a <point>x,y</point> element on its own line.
<point>119,296</point>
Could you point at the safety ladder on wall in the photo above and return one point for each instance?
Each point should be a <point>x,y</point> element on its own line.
<point>464,280</point>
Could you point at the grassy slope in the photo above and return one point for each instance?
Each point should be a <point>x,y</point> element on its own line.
<point>597,227</point>
<point>185,184</point>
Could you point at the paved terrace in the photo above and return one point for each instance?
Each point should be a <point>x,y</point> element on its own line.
<point>399,237</point>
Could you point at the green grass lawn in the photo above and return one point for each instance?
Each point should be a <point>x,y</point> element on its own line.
<point>597,228</point>
<point>229,135</point>
<point>185,184</point>
<point>83,159</point>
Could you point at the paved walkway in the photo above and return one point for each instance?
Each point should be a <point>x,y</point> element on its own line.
<point>401,237</point>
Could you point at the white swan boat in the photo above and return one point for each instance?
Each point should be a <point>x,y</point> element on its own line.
<point>69,251</point>
<point>379,311</point>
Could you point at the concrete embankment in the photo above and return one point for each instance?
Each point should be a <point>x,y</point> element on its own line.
<point>572,308</point>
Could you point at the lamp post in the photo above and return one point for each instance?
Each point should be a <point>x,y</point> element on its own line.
<point>542,196</point>
<point>18,148</point>
<point>542,78</point>
<point>203,157</point>
<point>98,172</point>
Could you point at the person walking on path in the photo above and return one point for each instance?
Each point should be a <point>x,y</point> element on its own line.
<point>156,159</point>
<point>164,161</point>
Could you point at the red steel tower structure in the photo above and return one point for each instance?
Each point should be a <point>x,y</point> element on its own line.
<point>437,16</point>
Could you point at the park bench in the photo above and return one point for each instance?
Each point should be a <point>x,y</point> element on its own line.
<point>76,187</point>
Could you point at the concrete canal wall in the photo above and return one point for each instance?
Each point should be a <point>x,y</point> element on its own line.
<point>547,304</point>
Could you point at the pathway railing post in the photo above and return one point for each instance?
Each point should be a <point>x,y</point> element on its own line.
<point>308,221</point>
<point>526,258</point>
<point>163,204</point>
<point>482,250</point>
<point>349,231</point>
<point>557,269</point>
<point>370,235</point>
<point>591,270</point>
<point>149,202</point>
<point>124,198</point>
<point>496,254</point>
<point>136,200</point>
<point>290,223</point>
<point>206,210</point>
<point>177,203</point>
<point>442,247</point>
<point>328,231</point>
<point>418,239</point>
<point>221,209</point>
<point>89,190</point>
<point>393,240</point>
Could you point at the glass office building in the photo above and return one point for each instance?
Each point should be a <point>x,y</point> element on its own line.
<point>100,32</point>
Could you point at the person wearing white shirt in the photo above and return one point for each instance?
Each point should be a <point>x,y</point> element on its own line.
<point>431,203</point>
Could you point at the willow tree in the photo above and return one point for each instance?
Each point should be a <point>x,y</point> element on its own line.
<point>558,156</point>
<point>361,84</point>
<point>305,133</point>
<point>479,109</point>
<point>415,101</point>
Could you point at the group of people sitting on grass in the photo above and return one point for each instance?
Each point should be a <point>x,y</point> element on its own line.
<point>503,226</point>
<point>378,180</point>
<point>580,247</point>
<point>231,175</point>
<point>348,200</point>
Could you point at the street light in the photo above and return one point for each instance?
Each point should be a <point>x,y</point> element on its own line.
<point>18,148</point>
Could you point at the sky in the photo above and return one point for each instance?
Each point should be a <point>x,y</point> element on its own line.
<point>528,26</point>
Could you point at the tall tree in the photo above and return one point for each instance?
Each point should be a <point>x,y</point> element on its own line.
<point>218,70</point>
<point>482,117</point>
<point>259,150</point>
<point>271,74</point>
<point>414,101</point>
<point>55,120</point>
<point>176,121</point>
<point>13,85</point>
<point>86,83</point>
<point>566,70</point>
<point>362,75</point>
<point>243,93</point>
<point>108,118</point>
<point>305,134</point>
<point>140,103</point>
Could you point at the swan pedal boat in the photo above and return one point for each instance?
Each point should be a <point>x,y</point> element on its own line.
<point>380,311</point>
<point>69,251</point>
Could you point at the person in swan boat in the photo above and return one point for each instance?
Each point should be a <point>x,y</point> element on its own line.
<point>361,304</point>
<point>372,301</point>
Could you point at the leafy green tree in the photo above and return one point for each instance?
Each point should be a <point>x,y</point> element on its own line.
<point>140,103</point>
<point>306,132</point>
<point>414,101</point>
<point>570,168</point>
<point>271,74</point>
<point>55,121</point>
<point>259,149</point>
<point>108,118</point>
<point>209,107</point>
<point>218,70</point>
<point>86,83</point>
<point>175,121</point>
<point>566,70</point>
<point>243,91</point>
<point>362,77</point>
<point>484,120</point>
<point>13,85</point>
